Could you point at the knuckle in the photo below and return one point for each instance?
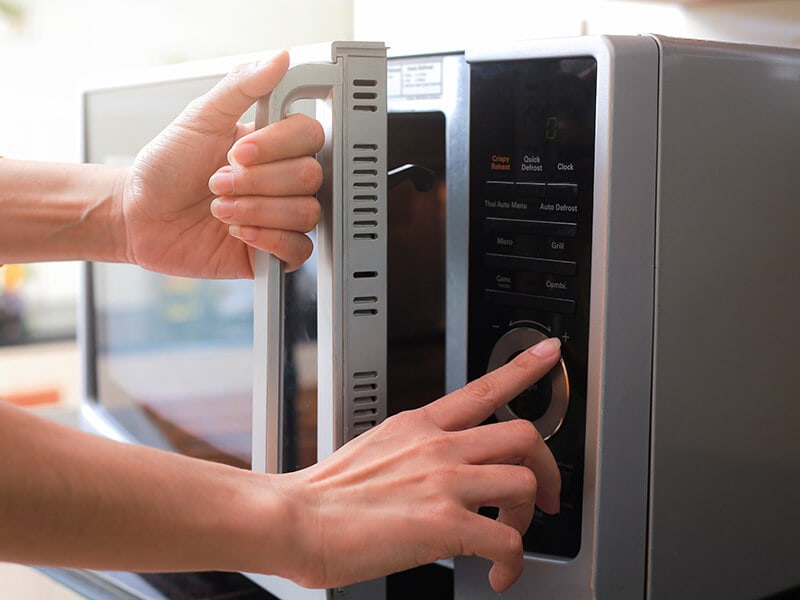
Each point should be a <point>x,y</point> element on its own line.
<point>526,482</point>
<point>194,107</point>
<point>299,252</point>
<point>310,175</point>
<point>314,134</point>
<point>510,542</point>
<point>437,444</point>
<point>280,242</point>
<point>442,479</point>
<point>484,388</point>
<point>441,514</point>
<point>402,421</point>
<point>440,510</point>
<point>525,429</point>
<point>310,213</point>
<point>306,129</point>
<point>237,72</point>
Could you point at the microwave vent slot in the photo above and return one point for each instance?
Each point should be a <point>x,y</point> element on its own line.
<point>364,247</point>
<point>364,407</point>
<point>365,177</point>
<point>365,375</point>
<point>365,100</point>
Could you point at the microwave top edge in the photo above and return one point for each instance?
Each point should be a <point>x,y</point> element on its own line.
<point>609,45</point>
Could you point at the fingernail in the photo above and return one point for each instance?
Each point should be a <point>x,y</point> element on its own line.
<point>222,208</point>
<point>244,154</point>
<point>221,183</point>
<point>246,234</point>
<point>546,348</point>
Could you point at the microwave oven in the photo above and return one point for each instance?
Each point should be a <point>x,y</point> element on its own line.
<point>635,196</point>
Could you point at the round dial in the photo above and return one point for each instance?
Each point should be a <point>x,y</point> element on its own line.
<point>545,403</point>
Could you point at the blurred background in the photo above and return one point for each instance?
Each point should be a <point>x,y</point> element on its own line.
<point>52,49</point>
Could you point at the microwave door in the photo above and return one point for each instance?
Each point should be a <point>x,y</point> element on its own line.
<point>320,333</point>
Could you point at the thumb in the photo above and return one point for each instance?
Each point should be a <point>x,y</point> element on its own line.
<point>223,105</point>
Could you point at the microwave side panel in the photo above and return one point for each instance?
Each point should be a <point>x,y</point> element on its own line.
<point>611,559</point>
<point>726,449</point>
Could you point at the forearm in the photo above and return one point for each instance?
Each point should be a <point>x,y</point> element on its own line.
<point>52,211</point>
<point>72,499</point>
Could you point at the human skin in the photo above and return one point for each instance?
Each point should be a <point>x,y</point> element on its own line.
<point>196,202</point>
<point>404,494</point>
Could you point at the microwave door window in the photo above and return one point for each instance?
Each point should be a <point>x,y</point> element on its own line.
<point>172,360</point>
<point>173,356</point>
<point>299,422</point>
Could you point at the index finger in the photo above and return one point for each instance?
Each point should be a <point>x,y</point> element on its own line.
<point>476,401</point>
<point>296,135</point>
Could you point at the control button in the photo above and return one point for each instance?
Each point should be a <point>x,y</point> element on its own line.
<point>531,164</point>
<point>562,210</point>
<point>558,248</point>
<point>526,281</point>
<point>499,190</point>
<point>500,164</point>
<point>547,400</point>
<point>566,168</point>
<point>524,263</point>
<point>504,199</point>
<point>562,287</point>
<point>561,202</point>
<point>530,301</point>
<point>497,196</point>
<point>517,244</point>
<point>528,190</point>
<point>562,191</point>
<point>548,228</point>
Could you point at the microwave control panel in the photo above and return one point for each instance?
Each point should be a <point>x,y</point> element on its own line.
<point>532,133</point>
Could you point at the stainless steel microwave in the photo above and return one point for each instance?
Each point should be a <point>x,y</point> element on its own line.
<point>636,196</point>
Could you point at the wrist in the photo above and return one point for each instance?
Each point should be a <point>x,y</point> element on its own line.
<point>266,520</point>
<point>60,212</point>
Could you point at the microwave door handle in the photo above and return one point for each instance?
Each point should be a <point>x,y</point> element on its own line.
<point>353,83</point>
<point>351,256</point>
<point>313,81</point>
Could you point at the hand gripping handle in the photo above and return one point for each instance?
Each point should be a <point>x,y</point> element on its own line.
<point>356,125</point>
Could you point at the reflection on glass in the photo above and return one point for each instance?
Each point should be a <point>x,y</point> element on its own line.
<point>416,257</point>
<point>299,448</point>
<point>173,360</point>
<point>174,356</point>
<point>37,302</point>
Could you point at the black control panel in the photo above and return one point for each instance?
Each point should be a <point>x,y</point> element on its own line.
<point>532,132</point>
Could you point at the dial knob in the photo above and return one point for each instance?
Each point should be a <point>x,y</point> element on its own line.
<point>545,403</point>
